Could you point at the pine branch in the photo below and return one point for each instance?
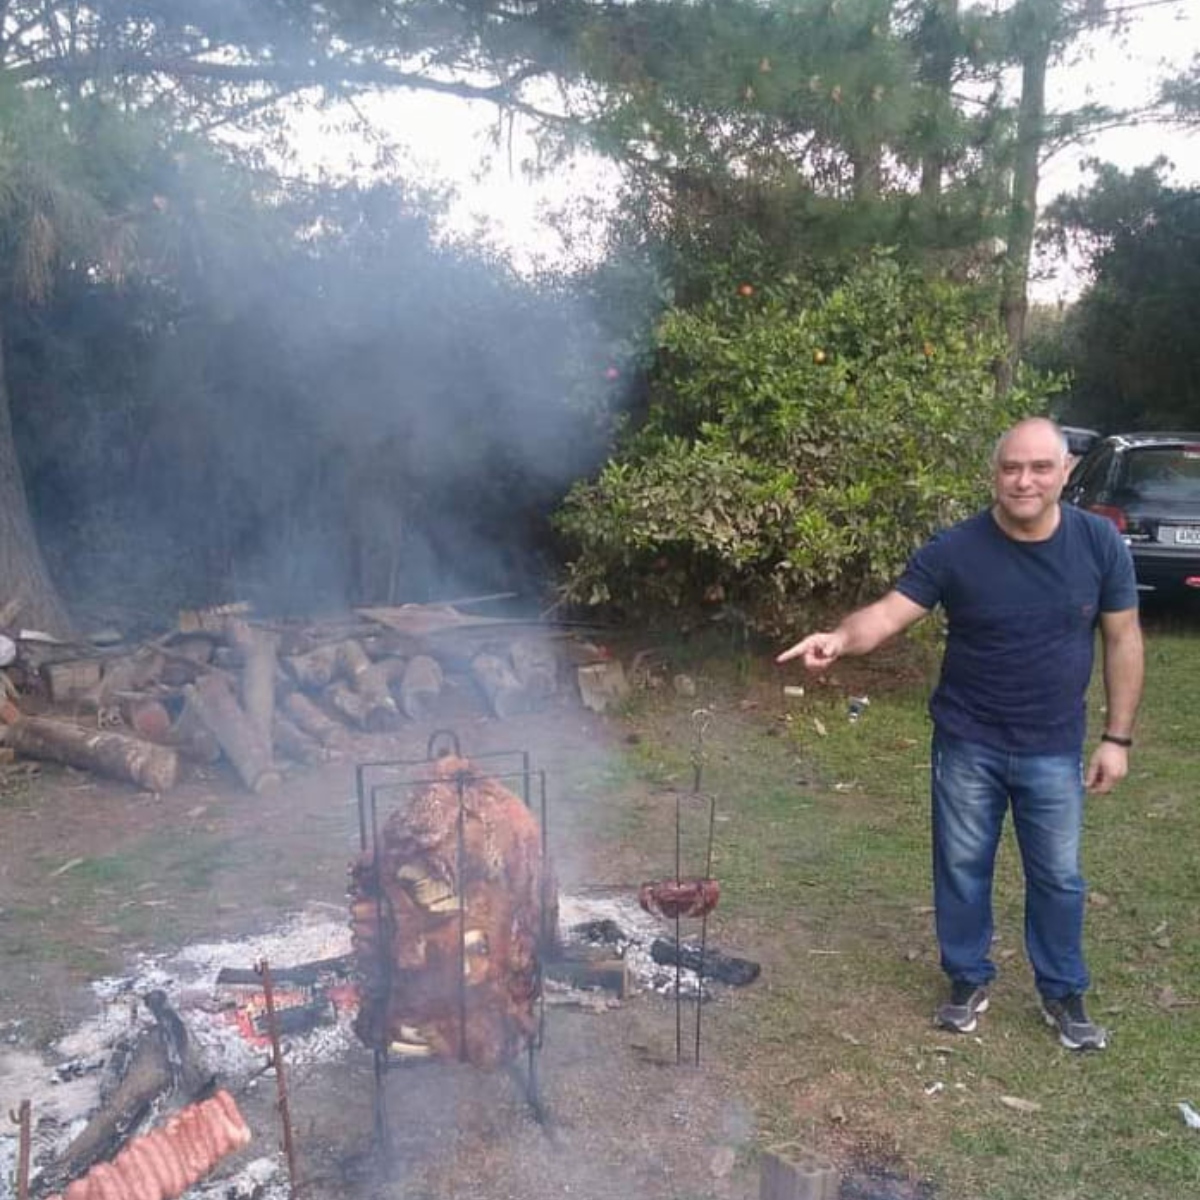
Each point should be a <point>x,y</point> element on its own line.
<point>299,75</point>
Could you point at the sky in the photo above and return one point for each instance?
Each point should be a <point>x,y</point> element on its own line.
<point>461,143</point>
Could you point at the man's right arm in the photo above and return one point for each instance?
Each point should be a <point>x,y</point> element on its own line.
<point>859,633</point>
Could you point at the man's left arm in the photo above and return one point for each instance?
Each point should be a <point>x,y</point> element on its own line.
<point>1123,673</point>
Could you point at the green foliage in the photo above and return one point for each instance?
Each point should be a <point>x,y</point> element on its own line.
<point>1130,339</point>
<point>797,444</point>
<point>823,128</point>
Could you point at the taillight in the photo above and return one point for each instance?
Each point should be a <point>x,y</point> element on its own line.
<point>1114,514</point>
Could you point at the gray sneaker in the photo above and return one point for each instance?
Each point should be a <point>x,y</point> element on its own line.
<point>961,1012</point>
<point>1070,1018</point>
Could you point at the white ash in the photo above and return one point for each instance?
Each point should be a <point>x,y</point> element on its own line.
<point>65,1089</point>
<point>638,930</point>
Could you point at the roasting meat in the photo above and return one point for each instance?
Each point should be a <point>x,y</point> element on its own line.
<point>673,898</point>
<point>165,1162</point>
<point>449,958</point>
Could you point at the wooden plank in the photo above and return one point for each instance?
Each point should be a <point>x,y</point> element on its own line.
<point>610,974</point>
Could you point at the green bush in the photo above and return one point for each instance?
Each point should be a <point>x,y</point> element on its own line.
<point>796,446</point>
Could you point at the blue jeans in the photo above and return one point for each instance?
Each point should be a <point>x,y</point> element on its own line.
<point>972,788</point>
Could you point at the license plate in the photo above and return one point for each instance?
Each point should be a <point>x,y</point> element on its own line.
<point>1187,535</point>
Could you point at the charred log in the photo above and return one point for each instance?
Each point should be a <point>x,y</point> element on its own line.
<point>156,1063</point>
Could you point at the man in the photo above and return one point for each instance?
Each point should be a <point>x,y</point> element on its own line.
<point>1023,585</point>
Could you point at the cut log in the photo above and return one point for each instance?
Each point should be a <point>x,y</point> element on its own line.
<point>155,768</point>
<point>503,691</point>
<point>148,718</point>
<point>315,669</point>
<point>371,683</point>
<point>420,685</point>
<point>211,620</point>
<point>347,703</point>
<point>352,660</point>
<point>126,673</point>
<point>258,647</point>
<point>195,647</point>
<point>192,737</point>
<point>312,720</point>
<point>219,709</point>
<point>294,743</point>
<point>536,667</point>
<point>74,680</point>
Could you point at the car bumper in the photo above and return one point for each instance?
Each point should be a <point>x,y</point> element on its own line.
<point>1161,569</point>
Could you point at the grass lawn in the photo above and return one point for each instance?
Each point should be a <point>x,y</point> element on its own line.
<point>822,849</point>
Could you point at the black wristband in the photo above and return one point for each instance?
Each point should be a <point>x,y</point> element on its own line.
<point>1116,741</point>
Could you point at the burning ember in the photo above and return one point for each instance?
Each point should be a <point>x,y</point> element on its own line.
<point>447,915</point>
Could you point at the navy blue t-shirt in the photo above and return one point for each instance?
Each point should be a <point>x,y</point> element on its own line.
<point>1022,619</point>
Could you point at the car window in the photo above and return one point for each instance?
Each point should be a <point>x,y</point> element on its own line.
<point>1090,473</point>
<point>1162,473</point>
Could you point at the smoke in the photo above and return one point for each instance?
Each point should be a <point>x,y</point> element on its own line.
<point>344,412</point>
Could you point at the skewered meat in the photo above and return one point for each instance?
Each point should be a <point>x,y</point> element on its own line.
<point>165,1162</point>
<point>673,898</point>
<point>448,950</point>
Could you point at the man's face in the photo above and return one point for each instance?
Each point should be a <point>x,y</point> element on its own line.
<point>1030,473</point>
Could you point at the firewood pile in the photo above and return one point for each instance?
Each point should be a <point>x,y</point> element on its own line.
<point>261,694</point>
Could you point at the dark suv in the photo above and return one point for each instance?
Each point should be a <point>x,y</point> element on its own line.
<point>1148,486</point>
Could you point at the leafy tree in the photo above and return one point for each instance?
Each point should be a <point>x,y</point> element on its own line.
<point>1130,337</point>
<point>797,445</point>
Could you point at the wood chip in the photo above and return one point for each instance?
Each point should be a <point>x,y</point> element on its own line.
<point>69,865</point>
<point>1017,1104</point>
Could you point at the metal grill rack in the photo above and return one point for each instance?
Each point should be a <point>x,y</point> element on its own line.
<point>399,775</point>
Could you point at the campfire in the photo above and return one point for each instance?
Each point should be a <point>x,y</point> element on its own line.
<point>451,952</point>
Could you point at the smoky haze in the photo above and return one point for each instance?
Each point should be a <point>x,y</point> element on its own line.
<point>341,412</point>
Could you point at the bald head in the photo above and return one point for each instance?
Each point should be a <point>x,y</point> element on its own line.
<point>1029,472</point>
<point>1037,431</point>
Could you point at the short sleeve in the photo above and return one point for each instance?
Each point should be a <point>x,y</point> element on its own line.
<point>923,579</point>
<point>1118,587</point>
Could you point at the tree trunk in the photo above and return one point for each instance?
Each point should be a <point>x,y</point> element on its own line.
<point>941,36</point>
<point>1036,34</point>
<point>23,571</point>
